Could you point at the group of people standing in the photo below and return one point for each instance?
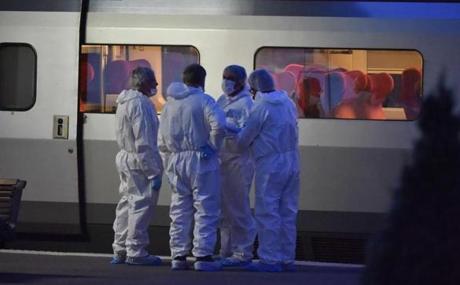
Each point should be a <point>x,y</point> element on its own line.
<point>210,152</point>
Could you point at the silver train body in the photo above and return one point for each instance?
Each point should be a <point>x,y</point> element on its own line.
<point>349,168</point>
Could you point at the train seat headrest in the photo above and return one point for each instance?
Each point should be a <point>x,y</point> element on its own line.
<point>410,83</point>
<point>381,84</point>
<point>359,80</point>
<point>116,76</point>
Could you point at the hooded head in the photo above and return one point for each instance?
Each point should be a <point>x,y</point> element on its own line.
<point>261,80</point>
<point>233,79</point>
<point>194,75</point>
<point>143,80</point>
<point>177,90</point>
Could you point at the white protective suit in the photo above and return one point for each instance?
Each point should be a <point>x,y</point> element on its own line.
<point>138,162</point>
<point>237,230</point>
<point>189,121</point>
<point>271,132</point>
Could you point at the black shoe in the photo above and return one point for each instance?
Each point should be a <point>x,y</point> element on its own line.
<point>179,263</point>
<point>207,258</point>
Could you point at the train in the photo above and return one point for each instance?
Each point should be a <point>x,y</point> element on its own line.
<point>63,63</point>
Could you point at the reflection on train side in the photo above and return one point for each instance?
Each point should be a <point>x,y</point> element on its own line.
<point>105,69</point>
<point>324,83</point>
<point>347,84</point>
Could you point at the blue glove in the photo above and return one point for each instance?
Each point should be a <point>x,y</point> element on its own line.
<point>232,128</point>
<point>206,151</point>
<point>156,183</point>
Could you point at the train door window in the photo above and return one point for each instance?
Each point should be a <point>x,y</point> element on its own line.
<point>347,83</point>
<point>105,71</point>
<point>18,69</point>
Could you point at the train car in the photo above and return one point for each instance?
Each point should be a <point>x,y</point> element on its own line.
<point>63,63</point>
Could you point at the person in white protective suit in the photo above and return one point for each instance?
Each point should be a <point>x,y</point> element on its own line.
<point>140,168</point>
<point>237,229</point>
<point>191,132</point>
<point>271,133</point>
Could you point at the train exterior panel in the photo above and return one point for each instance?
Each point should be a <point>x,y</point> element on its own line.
<point>349,168</point>
<point>27,148</point>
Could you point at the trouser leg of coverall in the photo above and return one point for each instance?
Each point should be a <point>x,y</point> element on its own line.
<point>225,235</point>
<point>206,201</point>
<point>120,225</point>
<point>140,203</point>
<point>181,214</point>
<point>288,211</point>
<point>237,227</point>
<point>225,223</point>
<point>267,213</point>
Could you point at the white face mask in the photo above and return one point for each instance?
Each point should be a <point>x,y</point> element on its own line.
<point>153,92</point>
<point>228,86</point>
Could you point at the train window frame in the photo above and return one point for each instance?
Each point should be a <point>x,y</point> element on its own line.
<point>422,68</point>
<point>34,77</point>
<point>196,50</point>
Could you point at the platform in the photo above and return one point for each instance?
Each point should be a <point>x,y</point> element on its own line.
<point>35,267</point>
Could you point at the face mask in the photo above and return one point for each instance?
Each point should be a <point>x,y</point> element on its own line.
<point>228,86</point>
<point>153,92</point>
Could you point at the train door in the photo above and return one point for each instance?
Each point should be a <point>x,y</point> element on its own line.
<point>38,107</point>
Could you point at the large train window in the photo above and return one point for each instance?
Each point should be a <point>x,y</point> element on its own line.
<point>105,70</point>
<point>18,69</point>
<point>347,83</point>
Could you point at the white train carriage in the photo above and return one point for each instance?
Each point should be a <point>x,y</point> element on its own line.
<point>61,68</point>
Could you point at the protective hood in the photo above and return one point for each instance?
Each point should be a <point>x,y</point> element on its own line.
<point>274,97</point>
<point>177,90</point>
<point>182,95</point>
<point>127,95</point>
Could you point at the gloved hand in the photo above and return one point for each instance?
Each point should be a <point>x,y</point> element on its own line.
<point>156,183</point>
<point>232,128</point>
<point>206,151</point>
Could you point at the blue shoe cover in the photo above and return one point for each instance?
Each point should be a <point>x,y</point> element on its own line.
<point>149,260</point>
<point>234,262</point>
<point>179,265</point>
<point>264,267</point>
<point>118,259</point>
<point>208,266</point>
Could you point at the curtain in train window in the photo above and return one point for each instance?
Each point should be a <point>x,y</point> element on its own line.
<point>18,68</point>
<point>347,83</point>
<point>105,71</point>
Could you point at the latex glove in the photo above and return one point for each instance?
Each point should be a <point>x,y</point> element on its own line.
<point>156,183</point>
<point>206,151</point>
<point>232,128</point>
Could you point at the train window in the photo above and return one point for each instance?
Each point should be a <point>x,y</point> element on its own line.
<point>105,70</point>
<point>347,83</point>
<point>18,69</point>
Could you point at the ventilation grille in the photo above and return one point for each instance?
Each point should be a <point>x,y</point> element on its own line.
<point>343,250</point>
<point>315,247</point>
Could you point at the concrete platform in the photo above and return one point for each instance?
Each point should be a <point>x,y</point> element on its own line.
<point>29,267</point>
